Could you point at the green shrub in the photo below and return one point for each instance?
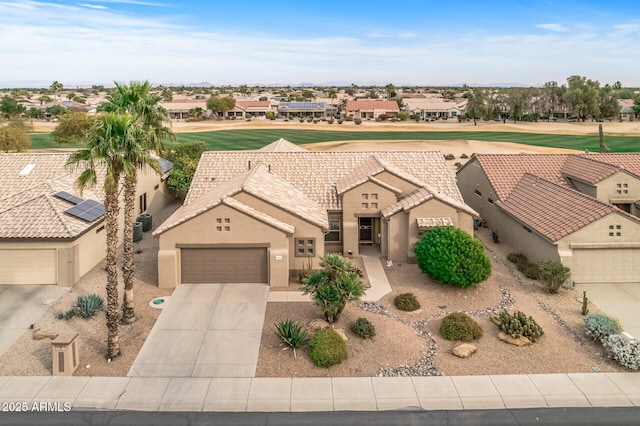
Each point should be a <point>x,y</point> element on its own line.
<point>518,324</point>
<point>600,326</point>
<point>622,350</point>
<point>326,348</point>
<point>460,326</point>
<point>402,116</point>
<point>358,121</point>
<point>406,302</point>
<point>450,255</point>
<point>363,328</point>
<point>464,156</point>
<point>87,306</point>
<point>293,336</point>
<point>458,165</point>
<point>516,258</point>
<point>553,274</point>
<point>449,157</point>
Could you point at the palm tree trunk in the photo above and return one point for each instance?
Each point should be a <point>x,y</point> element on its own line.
<point>113,313</point>
<point>128,313</point>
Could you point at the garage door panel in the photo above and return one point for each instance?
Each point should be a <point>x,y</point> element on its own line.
<point>606,265</point>
<point>229,265</point>
<point>28,266</point>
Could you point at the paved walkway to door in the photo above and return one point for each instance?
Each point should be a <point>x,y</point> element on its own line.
<point>206,330</point>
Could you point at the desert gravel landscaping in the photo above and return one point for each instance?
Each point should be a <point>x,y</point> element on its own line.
<point>397,349</point>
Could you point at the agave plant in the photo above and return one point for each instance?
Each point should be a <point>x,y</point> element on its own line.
<point>292,334</point>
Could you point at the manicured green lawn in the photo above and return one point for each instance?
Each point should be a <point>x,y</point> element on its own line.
<point>257,138</point>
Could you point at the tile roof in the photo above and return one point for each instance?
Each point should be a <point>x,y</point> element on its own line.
<point>28,207</point>
<point>244,105</point>
<point>431,104</point>
<point>554,211</point>
<point>366,171</point>
<point>370,105</point>
<point>629,161</point>
<point>421,195</point>
<point>282,145</point>
<point>425,223</point>
<point>504,171</point>
<point>261,184</point>
<point>587,169</point>
<point>316,173</point>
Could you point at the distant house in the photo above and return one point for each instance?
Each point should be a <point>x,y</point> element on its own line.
<point>179,109</point>
<point>428,108</point>
<point>50,233</point>
<point>306,110</point>
<point>371,109</point>
<point>581,209</point>
<point>250,108</point>
<point>263,216</point>
<point>626,109</point>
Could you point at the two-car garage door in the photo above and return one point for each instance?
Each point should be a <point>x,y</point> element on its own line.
<point>33,266</point>
<point>224,265</point>
<point>610,265</point>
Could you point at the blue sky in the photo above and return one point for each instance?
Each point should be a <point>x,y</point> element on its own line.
<point>348,41</point>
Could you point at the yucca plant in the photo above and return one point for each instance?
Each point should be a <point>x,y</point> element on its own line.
<point>293,336</point>
<point>87,306</point>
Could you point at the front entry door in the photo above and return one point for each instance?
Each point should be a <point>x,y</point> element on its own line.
<point>366,231</point>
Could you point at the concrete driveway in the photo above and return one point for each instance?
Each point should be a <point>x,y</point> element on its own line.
<point>617,300</point>
<point>21,306</point>
<point>206,330</point>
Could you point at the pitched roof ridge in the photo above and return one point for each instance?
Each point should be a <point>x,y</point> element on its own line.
<point>564,188</point>
<point>257,214</point>
<point>58,214</point>
<point>25,201</point>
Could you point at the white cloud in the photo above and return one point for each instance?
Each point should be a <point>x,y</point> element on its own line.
<point>133,2</point>
<point>92,6</point>
<point>553,27</point>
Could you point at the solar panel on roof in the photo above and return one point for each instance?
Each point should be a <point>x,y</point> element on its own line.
<point>68,197</point>
<point>87,210</point>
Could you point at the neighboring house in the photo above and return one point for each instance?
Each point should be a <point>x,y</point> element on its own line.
<point>580,209</point>
<point>371,109</point>
<point>50,233</point>
<point>626,109</point>
<point>263,216</point>
<point>253,108</point>
<point>179,110</point>
<point>427,108</point>
<point>306,110</point>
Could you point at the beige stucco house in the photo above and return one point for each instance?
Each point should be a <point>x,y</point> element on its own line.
<point>580,209</point>
<point>43,241</point>
<point>262,216</point>
<point>371,109</point>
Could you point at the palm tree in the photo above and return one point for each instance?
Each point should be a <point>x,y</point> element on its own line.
<point>136,100</point>
<point>104,152</point>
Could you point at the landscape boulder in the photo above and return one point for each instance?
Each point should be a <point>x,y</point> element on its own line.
<point>317,324</point>
<point>341,333</point>
<point>517,341</point>
<point>464,350</point>
<point>39,334</point>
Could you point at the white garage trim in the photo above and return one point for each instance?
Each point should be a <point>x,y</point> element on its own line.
<point>606,265</point>
<point>28,266</point>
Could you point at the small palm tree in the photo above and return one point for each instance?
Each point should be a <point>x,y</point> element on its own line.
<point>105,154</point>
<point>334,286</point>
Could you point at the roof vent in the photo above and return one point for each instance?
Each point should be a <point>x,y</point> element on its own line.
<point>27,169</point>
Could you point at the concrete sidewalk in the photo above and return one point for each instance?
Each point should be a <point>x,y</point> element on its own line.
<point>206,330</point>
<point>327,394</point>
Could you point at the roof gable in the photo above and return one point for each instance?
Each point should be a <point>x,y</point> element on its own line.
<point>587,169</point>
<point>421,195</point>
<point>554,211</point>
<point>282,145</point>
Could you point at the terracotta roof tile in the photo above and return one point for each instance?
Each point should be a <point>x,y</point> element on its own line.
<point>587,169</point>
<point>504,171</point>
<point>282,145</point>
<point>370,105</point>
<point>316,174</point>
<point>261,184</point>
<point>629,161</point>
<point>421,195</point>
<point>28,207</point>
<point>554,211</point>
<point>263,217</point>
